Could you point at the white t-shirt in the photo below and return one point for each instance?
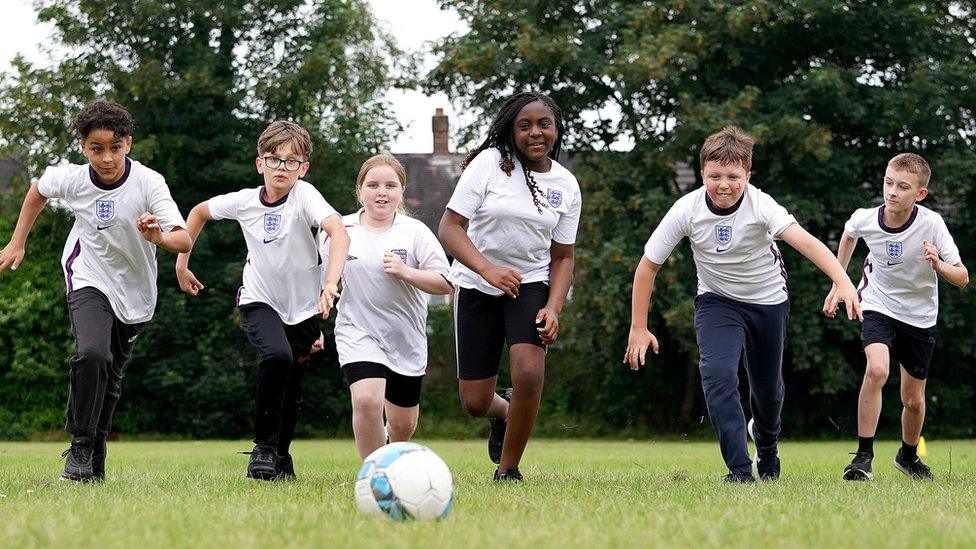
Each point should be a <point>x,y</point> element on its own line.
<point>104,249</point>
<point>896,280</point>
<point>381,318</point>
<point>503,222</point>
<point>734,249</point>
<point>282,267</point>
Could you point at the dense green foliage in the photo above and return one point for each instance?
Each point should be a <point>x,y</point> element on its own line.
<point>831,91</point>
<point>578,494</point>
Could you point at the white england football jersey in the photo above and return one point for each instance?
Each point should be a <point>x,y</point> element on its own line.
<point>381,318</point>
<point>734,249</point>
<point>104,249</point>
<point>282,267</point>
<point>895,279</point>
<point>504,224</point>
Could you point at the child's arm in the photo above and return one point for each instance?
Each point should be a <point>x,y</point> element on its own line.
<point>561,265</point>
<point>198,217</point>
<point>454,236</point>
<point>425,281</point>
<point>13,253</point>
<point>175,241</point>
<point>640,338</point>
<point>844,252</point>
<point>338,252</point>
<point>957,274</point>
<point>819,255</point>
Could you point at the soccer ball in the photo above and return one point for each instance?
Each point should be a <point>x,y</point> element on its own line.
<point>404,480</point>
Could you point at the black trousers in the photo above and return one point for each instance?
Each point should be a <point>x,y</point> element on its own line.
<point>103,344</point>
<point>285,352</point>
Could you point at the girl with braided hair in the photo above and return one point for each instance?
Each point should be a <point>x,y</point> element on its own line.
<point>511,225</point>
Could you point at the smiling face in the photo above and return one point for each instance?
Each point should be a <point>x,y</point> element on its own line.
<point>902,189</point>
<point>535,134</point>
<point>279,179</point>
<point>724,183</point>
<point>381,193</point>
<point>106,152</point>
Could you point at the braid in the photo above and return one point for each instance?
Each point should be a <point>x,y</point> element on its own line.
<point>501,135</point>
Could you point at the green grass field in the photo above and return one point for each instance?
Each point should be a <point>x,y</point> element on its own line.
<point>577,494</point>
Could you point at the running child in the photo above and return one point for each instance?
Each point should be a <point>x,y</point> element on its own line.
<point>909,247</point>
<point>123,211</point>
<point>380,332</point>
<point>511,225</point>
<point>282,292</point>
<point>742,305</point>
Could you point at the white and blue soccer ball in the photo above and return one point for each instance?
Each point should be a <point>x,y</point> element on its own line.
<point>403,481</point>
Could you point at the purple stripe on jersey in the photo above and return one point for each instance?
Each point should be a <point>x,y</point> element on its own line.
<point>71,261</point>
<point>865,269</point>
<point>778,258</point>
<point>895,230</point>
<point>237,298</point>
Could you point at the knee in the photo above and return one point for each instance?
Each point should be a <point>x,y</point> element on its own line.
<point>278,359</point>
<point>93,357</point>
<point>368,404</point>
<point>477,406</point>
<point>876,373</point>
<point>914,403</point>
<point>402,428</point>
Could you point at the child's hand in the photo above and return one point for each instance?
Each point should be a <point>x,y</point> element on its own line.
<point>637,343</point>
<point>504,279</point>
<point>149,227</point>
<point>188,282</point>
<point>393,265</point>
<point>10,257</point>
<point>930,253</point>
<point>847,295</point>
<point>830,303</point>
<point>327,299</point>
<point>547,324</point>
<point>319,344</point>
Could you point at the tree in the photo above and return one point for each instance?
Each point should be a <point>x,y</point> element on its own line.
<point>830,91</point>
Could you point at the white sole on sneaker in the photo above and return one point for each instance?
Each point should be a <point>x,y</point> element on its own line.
<point>856,475</point>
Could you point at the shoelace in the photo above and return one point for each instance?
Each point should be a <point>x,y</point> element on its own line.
<point>79,453</point>
<point>861,457</point>
<point>263,454</point>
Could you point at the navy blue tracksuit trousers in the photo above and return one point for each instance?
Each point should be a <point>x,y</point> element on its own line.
<point>726,329</point>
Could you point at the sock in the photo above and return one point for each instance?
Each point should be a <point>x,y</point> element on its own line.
<point>908,452</point>
<point>866,444</point>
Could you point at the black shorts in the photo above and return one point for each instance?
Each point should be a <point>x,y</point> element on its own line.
<point>910,346</point>
<point>484,323</point>
<point>401,390</point>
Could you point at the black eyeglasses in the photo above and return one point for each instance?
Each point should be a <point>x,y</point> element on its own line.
<point>273,162</point>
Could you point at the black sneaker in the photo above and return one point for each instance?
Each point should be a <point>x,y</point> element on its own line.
<point>860,467</point>
<point>263,464</point>
<point>286,468</point>
<point>739,478</point>
<point>496,431</point>
<point>98,460</point>
<point>511,475</point>
<point>766,462</point>
<point>78,462</point>
<point>916,470</point>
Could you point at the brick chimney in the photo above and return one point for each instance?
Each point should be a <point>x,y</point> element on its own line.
<point>439,125</point>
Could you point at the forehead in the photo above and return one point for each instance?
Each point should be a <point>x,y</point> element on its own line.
<point>286,149</point>
<point>102,137</point>
<point>714,166</point>
<point>535,110</point>
<point>382,173</point>
<point>900,175</point>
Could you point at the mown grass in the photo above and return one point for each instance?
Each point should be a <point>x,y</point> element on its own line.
<point>577,494</point>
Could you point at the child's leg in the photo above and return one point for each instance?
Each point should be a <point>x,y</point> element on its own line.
<point>764,364</point>
<point>528,367</point>
<point>301,337</point>
<point>913,415</point>
<point>720,330</point>
<point>92,320</point>
<point>123,339</point>
<point>266,331</point>
<point>401,422</point>
<point>402,405</point>
<point>869,400</point>
<point>479,338</point>
<point>367,412</point>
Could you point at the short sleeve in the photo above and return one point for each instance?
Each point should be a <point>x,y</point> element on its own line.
<point>853,227</point>
<point>314,206</point>
<point>472,186</point>
<point>53,184</point>
<point>775,216</point>
<point>429,252</point>
<point>226,206</point>
<point>568,224</point>
<point>948,250</point>
<point>161,205</point>
<point>672,228</point>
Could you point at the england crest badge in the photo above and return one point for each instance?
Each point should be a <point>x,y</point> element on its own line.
<point>893,248</point>
<point>723,233</point>
<point>272,222</point>
<point>555,197</point>
<point>401,253</point>
<point>105,209</point>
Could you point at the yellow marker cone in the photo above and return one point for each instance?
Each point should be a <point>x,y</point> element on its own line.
<point>921,446</point>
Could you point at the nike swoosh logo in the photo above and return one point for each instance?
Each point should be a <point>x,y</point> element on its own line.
<point>101,228</point>
<point>898,263</point>
<point>720,250</point>
<point>351,258</point>
<point>270,240</point>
